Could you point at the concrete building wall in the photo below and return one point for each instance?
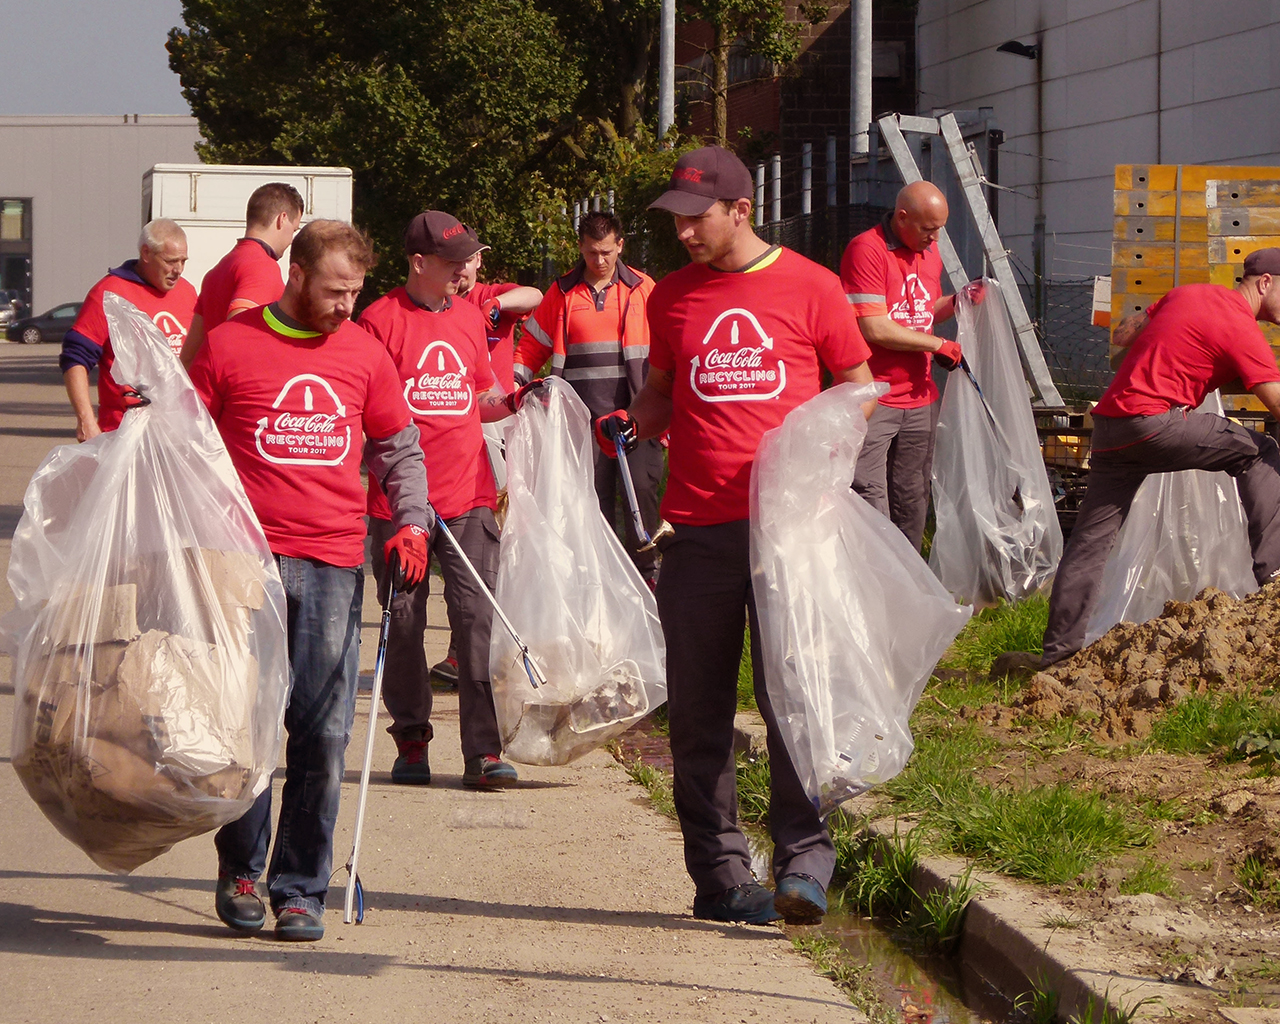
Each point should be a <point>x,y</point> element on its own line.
<point>84,178</point>
<point>1121,81</point>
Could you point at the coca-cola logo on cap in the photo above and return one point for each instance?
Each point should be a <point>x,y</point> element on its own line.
<point>171,327</point>
<point>442,386</point>
<point>304,427</point>
<point>737,362</point>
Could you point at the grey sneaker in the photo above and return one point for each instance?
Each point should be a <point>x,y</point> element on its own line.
<point>486,771</point>
<point>411,767</point>
<point>238,904</point>
<point>749,903</point>
<point>297,924</point>
<point>800,899</point>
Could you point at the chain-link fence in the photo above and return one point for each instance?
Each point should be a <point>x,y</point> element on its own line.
<point>1075,350</point>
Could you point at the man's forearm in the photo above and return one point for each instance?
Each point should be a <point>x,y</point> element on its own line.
<point>520,300</point>
<point>195,339</point>
<point>76,381</point>
<point>883,331</point>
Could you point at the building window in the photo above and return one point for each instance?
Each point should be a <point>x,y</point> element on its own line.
<point>15,221</point>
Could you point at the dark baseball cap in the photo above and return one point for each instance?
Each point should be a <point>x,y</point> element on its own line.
<point>701,177</point>
<point>1262,261</point>
<point>436,233</point>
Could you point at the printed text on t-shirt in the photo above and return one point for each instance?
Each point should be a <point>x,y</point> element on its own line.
<point>443,386</point>
<point>306,435</point>
<point>737,363</point>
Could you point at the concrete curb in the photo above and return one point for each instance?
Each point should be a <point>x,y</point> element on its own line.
<point>1005,940</point>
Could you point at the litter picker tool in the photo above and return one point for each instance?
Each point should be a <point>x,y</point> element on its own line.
<point>536,676</point>
<point>968,372</point>
<point>355,891</point>
<point>633,505</point>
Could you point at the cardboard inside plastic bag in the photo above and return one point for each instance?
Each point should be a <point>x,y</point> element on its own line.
<point>1184,532</point>
<point>150,665</point>
<point>852,621</point>
<point>997,536</point>
<point>573,595</point>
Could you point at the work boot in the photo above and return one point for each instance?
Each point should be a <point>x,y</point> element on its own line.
<point>238,905</point>
<point>444,674</point>
<point>749,903</point>
<point>800,899</point>
<point>486,771</point>
<point>411,767</point>
<point>297,924</point>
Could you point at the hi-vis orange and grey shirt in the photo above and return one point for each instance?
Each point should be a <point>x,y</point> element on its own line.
<point>598,341</point>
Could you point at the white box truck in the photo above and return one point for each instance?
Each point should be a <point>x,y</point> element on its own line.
<point>208,200</point>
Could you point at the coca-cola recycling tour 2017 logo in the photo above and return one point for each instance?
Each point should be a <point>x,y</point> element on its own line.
<point>171,327</point>
<point>442,386</point>
<point>737,362</point>
<point>303,428</point>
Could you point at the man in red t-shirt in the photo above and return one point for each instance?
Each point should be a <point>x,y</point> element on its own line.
<point>440,349</point>
<point>892,275</point>
<point>737,340</point>
<point>299,393</point>
<point>153,282</point>
<point>1192,341</point>
<point>249,275</point>
<point>504,305</point>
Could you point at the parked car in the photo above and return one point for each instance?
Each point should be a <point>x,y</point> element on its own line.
<point>48,326</point>
<point>10,303</point>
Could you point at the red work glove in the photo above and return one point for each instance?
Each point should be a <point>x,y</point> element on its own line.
<point>975,291</point>
<point>948,355</point>
<point>406,557</point>
<point>492,311</point>
<point>516,398</point>
<point>134,399</point>
<point>618,424</point>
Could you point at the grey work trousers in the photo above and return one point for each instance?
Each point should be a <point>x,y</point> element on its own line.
<point>646,465</point>
<point>704,600</point>
<point>895,466</point>
<point>406,689</point>
<point>1124,452</point>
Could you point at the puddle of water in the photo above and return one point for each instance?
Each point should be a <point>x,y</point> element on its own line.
<point>926,989</point>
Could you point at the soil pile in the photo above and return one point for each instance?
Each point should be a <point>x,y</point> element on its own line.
<point>1134,671</point>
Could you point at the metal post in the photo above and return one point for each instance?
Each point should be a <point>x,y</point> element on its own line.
<point>595,204</point>
<point>860,74</point>
<point>611,209</point>
<point>775,188</point>
<point>806,179</point>
<point>760,194</point>
<point>577,214</point>
<point>666,67</point>
<point>831,170</point>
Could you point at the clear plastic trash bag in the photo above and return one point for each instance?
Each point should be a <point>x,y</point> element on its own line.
<point>1184,532</point>
<point>852,621</point>
<point>997,536</point>
<point>150,665</point>
<point>571,592</point>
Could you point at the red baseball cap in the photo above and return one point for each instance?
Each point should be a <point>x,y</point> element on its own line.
<point>436,233</point>
<point>701,177</point>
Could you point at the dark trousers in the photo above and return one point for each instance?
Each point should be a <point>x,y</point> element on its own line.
<point>646,467</point>
<point>704,600</point>
<point>1124,453</point>
<point>324,604</point>
<point>406,689</point>
<point>895,467</point>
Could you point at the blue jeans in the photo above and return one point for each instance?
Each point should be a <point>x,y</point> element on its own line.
<point>324,604</point>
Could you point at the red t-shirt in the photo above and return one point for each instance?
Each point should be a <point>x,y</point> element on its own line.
<point>1201,336</point>
<point>442,365</point>
<point>246,276</point>
<point>501,338</point>
<point>292,407</point>
<point>744,350</point>
<point>170,311</point>
<point>902,284</point>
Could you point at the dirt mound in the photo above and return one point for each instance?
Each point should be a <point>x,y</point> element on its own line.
<point>1136,670</point>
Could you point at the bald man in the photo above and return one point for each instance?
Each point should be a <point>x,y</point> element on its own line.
<point>892,276</point>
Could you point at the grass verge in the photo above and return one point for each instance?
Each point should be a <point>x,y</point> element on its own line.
<point>1007,627</point>
<point>830,960</point>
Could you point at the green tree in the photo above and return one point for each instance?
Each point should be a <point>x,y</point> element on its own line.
<point>471,112</point>
<point>761,27</point>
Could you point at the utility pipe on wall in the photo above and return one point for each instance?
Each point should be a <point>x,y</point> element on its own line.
<point>666,67</point>
<point>860,75</point>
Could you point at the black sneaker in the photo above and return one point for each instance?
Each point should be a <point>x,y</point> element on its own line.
<point>749,903</point>
<point>238,905</point>
<point>486,771</point>
<point>411,767</point>
<point>444,674</point>
<point>800,899</point>
<point>297,924</point>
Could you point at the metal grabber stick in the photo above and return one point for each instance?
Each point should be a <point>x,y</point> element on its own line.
<point>968,372</point>
<point>629,487</point>
<point>536,676</point>
<point>355,891</point>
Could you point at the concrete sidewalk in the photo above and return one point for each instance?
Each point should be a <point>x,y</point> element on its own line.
<point>563,899</point>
